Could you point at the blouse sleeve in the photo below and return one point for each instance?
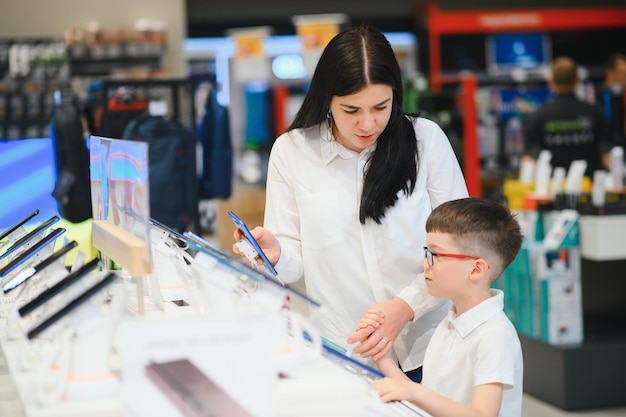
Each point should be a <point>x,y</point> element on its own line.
<point>281,214</point>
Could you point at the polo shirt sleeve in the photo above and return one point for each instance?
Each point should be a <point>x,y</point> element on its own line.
<point>497,354</point>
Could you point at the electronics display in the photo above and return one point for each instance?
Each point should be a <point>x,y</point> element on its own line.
<point>29,163</point>
<point>33,250</point>
<point>256,249</point>
<point>26,274</point>
<point>238,265</point>
<point>506,51</point>
<point>71,306</point>
<point>50,292</point>
<point>29,236</point>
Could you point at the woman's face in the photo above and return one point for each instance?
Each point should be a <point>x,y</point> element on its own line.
<point>358,119</point>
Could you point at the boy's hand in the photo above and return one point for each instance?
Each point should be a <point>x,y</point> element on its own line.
<point>377,341</point>
<point>392,389</point>
<point>373,318</point>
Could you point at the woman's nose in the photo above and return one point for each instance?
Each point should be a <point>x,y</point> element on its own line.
<point>367,121</point>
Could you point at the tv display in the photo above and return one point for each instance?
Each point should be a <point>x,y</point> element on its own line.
<point>27,170</point>
<point>506,51</point>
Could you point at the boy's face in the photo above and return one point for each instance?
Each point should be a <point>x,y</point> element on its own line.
<point>445,276</point>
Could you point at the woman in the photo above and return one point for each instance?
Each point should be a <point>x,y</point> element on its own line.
<point>349,188</point>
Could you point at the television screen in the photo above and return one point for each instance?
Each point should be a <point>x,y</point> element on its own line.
<point>506,51</point>
<point>27,172</point>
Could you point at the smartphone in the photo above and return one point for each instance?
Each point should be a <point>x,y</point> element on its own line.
<point>30,252</point>
<point>19,224</point>
<point>71,306</point>
<point>252,241</point>
<point>29,236</point>
<point>55,289</point>
<point>192,392</point>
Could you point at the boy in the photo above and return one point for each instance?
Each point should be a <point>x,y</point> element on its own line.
<point>473,363</point>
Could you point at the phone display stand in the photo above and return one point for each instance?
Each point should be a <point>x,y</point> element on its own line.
<point>78,367</point>
<point>16,325</point>
<point>7,301</point>
<point>10,237</point>
<point>127,250</point>
<point>67,371</point>
<point>171,274</point>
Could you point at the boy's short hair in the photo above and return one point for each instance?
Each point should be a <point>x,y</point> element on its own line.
<point>479,227</point>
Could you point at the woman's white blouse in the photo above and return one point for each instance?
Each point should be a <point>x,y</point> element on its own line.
<point>312,207</point>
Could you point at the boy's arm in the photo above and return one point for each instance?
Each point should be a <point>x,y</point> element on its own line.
<point>486,399</point>
<point>388,366</point>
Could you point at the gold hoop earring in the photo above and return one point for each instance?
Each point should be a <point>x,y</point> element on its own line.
<point>329,127</point>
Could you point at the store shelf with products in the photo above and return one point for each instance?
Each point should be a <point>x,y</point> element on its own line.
<point>95,51</point>
<point>475,24</point>
<point>509,52</point>
<point>31,70</point>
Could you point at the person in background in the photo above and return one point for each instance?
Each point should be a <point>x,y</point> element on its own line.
<point>615,72</point>
<point>611,97</point>
<point>473,364</point>
<point>572,129</point>
<point>349,188</point>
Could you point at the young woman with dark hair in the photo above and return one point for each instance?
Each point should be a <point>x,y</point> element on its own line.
<point>349,188</point>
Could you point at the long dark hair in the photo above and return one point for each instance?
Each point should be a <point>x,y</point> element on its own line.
<point>352,60</point>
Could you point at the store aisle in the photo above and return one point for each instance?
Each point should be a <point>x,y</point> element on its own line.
<point>533,407</point>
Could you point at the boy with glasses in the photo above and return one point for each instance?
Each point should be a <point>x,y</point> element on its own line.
<point>473,363</point>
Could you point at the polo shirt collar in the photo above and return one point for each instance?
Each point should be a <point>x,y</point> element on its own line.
<point>474,317</point>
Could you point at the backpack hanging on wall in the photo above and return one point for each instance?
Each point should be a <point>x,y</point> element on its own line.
<point>72,190</point>
<point>171,170</point>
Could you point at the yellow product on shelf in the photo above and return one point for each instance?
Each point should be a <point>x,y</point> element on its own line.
<point>520,196</point>
<point>515,192</point>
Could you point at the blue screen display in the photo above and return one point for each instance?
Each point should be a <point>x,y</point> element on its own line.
<point>522,50</point>
<point>27,177</point>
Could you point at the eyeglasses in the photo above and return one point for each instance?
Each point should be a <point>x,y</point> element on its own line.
<point>430,256</point>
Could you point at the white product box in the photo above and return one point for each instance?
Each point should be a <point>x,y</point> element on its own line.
<point>603,237</point>
<point>561,311</point>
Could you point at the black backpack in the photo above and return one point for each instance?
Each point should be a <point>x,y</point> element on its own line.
<point>171,170</point>
<point>72,189</point>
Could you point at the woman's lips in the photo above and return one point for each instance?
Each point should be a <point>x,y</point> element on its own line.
<point>365,138</point>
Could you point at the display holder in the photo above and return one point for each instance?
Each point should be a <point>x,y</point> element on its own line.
<point>18,240</point>
<point>169,280</point>
<point>58,354</point>
<point>171,275</point>
<point>65,369</point>
<point>119,182</point>
<point>11,302</point>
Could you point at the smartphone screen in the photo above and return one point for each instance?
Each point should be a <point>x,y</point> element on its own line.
<point>248,236</point>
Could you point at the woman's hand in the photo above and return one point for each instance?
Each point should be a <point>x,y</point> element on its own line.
<point>266,240</point>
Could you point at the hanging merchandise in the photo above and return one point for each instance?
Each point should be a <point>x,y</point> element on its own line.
<point>171,171</point>
<point>111,118</point>
<point>258,131</point>
<point>217,154</point>
<point>72,190</point>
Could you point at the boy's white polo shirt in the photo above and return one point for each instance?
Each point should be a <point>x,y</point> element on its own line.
<point>480,346</point>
